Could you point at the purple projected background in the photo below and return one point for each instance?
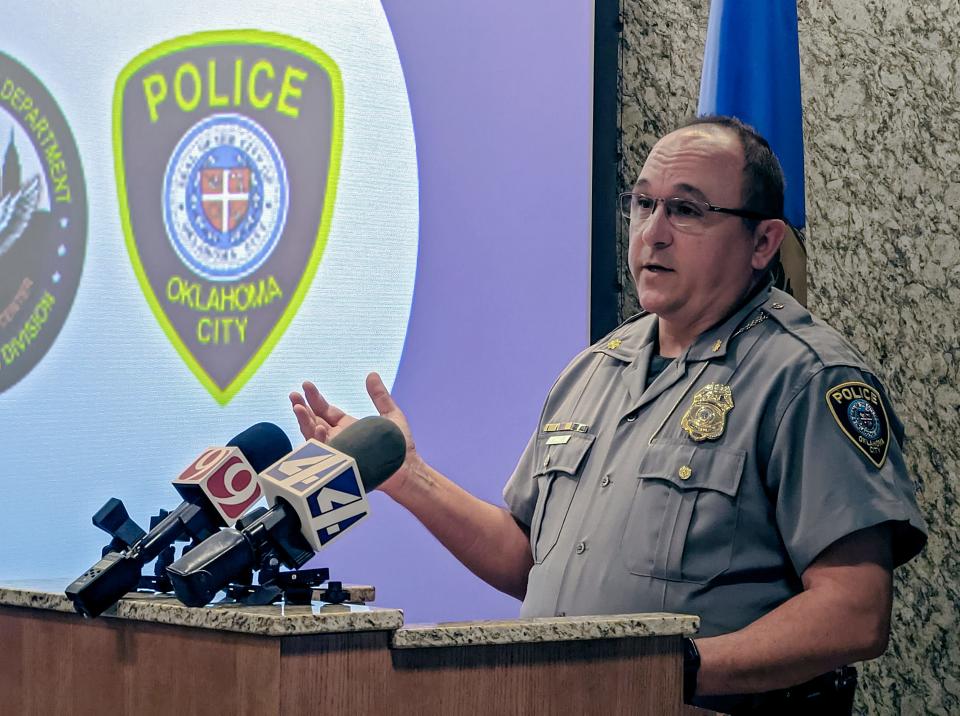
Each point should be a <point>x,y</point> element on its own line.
<point>501,95</point>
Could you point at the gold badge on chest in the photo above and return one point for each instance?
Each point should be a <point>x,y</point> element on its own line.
<point>706,417</point>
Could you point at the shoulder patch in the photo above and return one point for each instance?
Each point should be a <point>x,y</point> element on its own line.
<point>859,411</point>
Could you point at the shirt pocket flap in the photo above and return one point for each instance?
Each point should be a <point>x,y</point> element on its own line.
<point>694,467</point>
<point>556,453</point>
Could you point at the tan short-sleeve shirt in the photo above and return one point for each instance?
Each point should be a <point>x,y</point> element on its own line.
<point>712,490</point>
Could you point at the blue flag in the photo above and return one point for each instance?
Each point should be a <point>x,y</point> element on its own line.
<point>751,70</point>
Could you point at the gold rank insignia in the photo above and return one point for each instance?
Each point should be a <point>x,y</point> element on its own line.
<point>706,417</point>
<point>614,343</point>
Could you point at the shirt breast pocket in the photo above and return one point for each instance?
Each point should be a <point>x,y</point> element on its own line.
<point>557,476</point>
<point>683,519</point>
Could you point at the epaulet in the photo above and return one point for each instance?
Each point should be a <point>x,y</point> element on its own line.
<point>632,318</point>
<point>610,343</point>
<point>613,334</point>
<point>826,343</point>
<point>786,311</point>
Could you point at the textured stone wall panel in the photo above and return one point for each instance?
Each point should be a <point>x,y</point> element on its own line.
<point>881,84</point>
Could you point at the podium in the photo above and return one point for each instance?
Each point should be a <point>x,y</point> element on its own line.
<point>152,655</point>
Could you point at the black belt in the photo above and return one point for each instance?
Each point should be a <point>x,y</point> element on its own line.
<point>829,694</point>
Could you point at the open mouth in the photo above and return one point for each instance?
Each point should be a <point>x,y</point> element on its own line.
<point>656,268</point>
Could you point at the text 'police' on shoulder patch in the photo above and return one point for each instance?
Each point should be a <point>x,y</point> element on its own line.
<point>860,413</point>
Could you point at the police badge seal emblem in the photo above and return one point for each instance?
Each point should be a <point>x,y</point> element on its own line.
<point>225,197</point>
<point>43,221</point>
<point>227,150</point>
<point>706,418</point>
<point>859,411</point>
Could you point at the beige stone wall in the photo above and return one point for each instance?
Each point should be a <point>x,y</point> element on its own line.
<point>881,90</point>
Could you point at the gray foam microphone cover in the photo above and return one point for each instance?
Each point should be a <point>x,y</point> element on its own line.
<point>376,444</point>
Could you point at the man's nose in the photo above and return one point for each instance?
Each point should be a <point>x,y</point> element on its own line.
<point>656,229</point>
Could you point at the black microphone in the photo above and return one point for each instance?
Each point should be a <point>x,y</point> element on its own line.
<point>217,488</point>
<point>317,492</point>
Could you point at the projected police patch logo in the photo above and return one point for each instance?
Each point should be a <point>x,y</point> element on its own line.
<point>227,148</point>
<point>43,221</point>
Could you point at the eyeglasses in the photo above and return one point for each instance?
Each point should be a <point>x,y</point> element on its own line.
<point>687,215</point>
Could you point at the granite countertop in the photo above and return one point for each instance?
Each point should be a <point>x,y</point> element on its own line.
<point>517,631</point>
<point>322,618</point>
<point>269,620</point>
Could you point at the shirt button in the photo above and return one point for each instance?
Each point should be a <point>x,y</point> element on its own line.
<point>632,416</point>
<point>581,547</point>
<point>685,472</point>
<point>605,481</point>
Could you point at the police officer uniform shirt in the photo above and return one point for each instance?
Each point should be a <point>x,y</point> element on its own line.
<point>711,490</point>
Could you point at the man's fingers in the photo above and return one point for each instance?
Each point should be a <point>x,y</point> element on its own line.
<point>378,393</point>
<point>318,404</point>
<point>331,413</point>
<point>310,425</point>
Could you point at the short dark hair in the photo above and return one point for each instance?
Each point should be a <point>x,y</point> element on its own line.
<point>763,182</point>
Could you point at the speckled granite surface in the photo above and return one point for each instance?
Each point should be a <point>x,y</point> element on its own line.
<point>270,620</point>
<point>320,618</point>
<point>881,88</point>
<point>519,631</point>
<point>882,117</point>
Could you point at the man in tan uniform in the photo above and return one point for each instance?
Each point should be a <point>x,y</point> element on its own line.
<point>723,454</point>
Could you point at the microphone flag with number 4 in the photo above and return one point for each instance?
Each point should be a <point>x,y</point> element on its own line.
<point>323,486</point>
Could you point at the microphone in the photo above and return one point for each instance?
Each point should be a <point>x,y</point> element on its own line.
<point>318,492</point>
<point>217,488</point>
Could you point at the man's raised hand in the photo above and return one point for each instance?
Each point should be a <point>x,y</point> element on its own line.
<point>317,418</point>
<point>320,420</point>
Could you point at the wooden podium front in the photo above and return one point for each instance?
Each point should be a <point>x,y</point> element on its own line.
<point>152,655</point>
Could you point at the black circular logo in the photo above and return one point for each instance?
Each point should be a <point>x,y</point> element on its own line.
<point>43,221</point>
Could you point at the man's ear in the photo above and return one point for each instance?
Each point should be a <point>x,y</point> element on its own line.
<point>767,238</point>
